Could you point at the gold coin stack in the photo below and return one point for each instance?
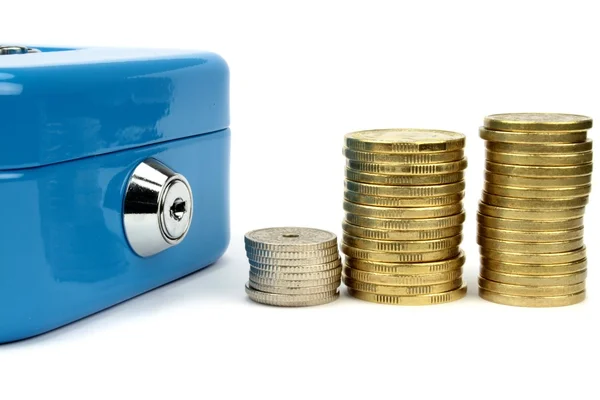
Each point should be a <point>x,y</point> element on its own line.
<point>530,221</point>
<point>404,215</point>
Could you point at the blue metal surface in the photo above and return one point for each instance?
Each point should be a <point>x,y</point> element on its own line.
<point>63,252</point>
<point>61,105</point>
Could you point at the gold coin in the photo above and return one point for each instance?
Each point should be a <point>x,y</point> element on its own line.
<point>400,213</point>
<point>404,158</point>
<point>530,301</point>
<point>539,159</point>
<point>416,257</point>
<point>407,268</point>
<point>539,148</point>
<point>542,182</point>
<point>421,300</point>
<point>385,234</point>
<point>528,236</point>
<point>406,169</point>
<point>533,137</point>
<point>365,199</point>
<point>530,247</point>
<point>534,204</point>
<point>402,280</point>
<point>536,171</point>
<point>401,290</point>
<point>529,225</point>
<point>404,180</point>
<point>404,141</point>
<point>405,246</point>
<point>522,290</point>
<point>535,259</point>
<point>534,269</point>
<point>528,280</point>
<point>537,122</point>
<point>531,215</point>
<point>405,191</point>
<point>537,193</point>
<point>406,224</point>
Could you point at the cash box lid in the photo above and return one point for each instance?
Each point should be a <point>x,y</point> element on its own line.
<point>64,104</point>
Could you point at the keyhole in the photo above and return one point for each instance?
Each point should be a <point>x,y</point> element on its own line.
<point>178,209</point>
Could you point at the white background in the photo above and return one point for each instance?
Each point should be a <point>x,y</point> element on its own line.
<point>303,74</point>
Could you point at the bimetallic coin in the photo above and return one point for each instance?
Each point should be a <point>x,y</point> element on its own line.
<point>530,214</point>
<point>289,255</point>
<point>529,236</point>
<point>365,199</point>
<point>427,299</point>
<point>537,193</point>
<point>402,280</point>
<point>290,239</point>
<point>521,290</point>
<point>540,159</point>
<point>533,137</point>
<point>402,290</point>
<point>537,182</point>
<point>530,225</point>
<point>447,265</point>
<point>539,148</point>
<point>290,300</point>
<point>292,262</point>
<point>529,247</point>
<point>534,269</point>
<point>416,257</point>
<point>404,140</point>
<point>528,280</point>
<point>537,122</point>
<point>534,204</point>
<point>537,171</point>
<point>404,158</point>
<point>294,284</point>
<point>534,259</point>
<point>404,180</point>
<point>297,269</point>
<point>406,224</point>
<point>283,276</point>
<point>405,191</point>
<point>331,288</point>
<point>386,234</point>
<point>408,169</point>
<point>531,301</point>
<point>405,246</point>
<point>402,213</point>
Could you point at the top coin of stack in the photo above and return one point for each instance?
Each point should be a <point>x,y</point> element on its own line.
<point>403,225</point>
<point>293,267</point>
<point>538,177</point>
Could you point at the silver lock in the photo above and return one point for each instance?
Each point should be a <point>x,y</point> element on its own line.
<point>158,208</point>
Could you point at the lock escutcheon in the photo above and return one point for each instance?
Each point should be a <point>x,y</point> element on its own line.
<point>158,208</point>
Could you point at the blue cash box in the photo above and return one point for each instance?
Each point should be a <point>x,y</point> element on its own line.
<point>114,177</point>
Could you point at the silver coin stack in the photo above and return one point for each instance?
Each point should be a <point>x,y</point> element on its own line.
<point>293,267</point>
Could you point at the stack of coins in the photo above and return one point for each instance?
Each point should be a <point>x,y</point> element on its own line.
<point>293,267</point>
<point>404,215</point>
<point>538,175</point>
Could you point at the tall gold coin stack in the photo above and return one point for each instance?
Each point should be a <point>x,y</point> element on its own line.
<point>530,230</point>
<point>404,215</point>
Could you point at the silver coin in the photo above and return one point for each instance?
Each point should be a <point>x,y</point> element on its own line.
<point>281,262</point>
<point>290,239</point>
<point>296,269</point>
<point>290,255</point>
<point>279,276</point>
<point>289,300</point>
<point>331,288</point>
<point>294,283</point>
